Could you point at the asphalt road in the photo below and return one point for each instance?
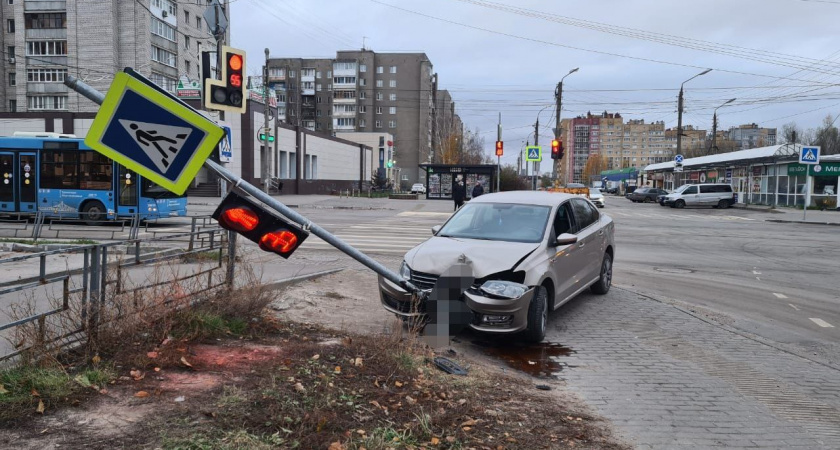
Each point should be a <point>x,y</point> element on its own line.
<point>776,280</point>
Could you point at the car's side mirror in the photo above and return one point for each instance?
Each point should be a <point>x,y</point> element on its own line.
<point>565,239</point>
<point>435,229</point>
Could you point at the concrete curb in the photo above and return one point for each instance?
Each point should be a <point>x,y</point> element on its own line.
<point>834,224</point>
<point>279,284</point>
<point>766,210</point>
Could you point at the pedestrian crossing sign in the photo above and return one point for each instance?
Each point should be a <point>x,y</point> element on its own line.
<point>152,133</point>
<point>534,153</point>
<point>809,155</point>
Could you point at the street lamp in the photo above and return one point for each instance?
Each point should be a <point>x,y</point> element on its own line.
<point>680,110</point>
<point>558,95</point>
<point>714,125</point>
<point>536,144</point>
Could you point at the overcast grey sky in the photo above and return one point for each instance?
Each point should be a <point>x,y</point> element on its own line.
<point>513,68</point>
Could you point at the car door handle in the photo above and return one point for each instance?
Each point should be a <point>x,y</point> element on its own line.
<point>582,244</point>
<point>601,233</point>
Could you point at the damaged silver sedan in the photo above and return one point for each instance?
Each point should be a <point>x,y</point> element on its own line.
<point>530,252</point>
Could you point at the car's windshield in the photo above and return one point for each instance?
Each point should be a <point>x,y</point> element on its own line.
<point>498,222</point>
<point>682,188</point>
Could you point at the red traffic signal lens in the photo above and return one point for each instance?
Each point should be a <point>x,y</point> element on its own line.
<point>282,241</point>
<point>235,62</point>
<point>239,219</point>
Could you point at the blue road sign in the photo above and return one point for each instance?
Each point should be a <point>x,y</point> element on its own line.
<point>679,159</point>
<point>809,155</point>
<point>153,134</point>
<point>534,153</point>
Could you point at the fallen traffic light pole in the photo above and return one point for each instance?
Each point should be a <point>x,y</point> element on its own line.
<point>238,183</point>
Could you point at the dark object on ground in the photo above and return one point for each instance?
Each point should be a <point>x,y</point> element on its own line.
<point>449,366</point>
<point>543,387</point>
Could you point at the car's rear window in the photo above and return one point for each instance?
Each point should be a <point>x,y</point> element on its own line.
<point>498,222</point>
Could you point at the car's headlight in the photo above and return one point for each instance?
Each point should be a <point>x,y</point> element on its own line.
<point>505,289</point>
<point>405,272</point>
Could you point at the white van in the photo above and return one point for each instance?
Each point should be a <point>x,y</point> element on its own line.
<point>714,195</point>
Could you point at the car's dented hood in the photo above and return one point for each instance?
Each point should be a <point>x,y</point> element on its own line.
<point>486,257</point>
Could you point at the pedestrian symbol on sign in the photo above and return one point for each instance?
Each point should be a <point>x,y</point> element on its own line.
<point>809,155</point>
<point>160,142</point>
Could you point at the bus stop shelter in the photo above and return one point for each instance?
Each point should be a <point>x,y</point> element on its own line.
<point>441,178</point>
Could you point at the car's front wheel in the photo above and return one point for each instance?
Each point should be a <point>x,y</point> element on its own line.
<point>679,204</point>
<point>537,316</point>
<point>602,286</point>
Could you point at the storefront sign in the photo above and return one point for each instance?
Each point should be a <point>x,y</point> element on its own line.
<point>694,176</point>
<point>796,169</point>
<point>831,169</point>
<point>757,170</point>
<point>712,174</point>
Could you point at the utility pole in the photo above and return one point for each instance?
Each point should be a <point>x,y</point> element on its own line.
<point>714,133</point>
<point>265,163</point>
<point>555,169</point>
<point>679,122</point>
<point>434,119</point>
<point>499,158</point>
<point>536,144</point>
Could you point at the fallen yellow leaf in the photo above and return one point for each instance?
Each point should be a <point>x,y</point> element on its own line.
<point>435,441</point>
<point>96,359</point>
<point>185,362</point>
<point>337,370</point>
<point>3,390</point>
<point>35,393</point>
<point>41,408</point>
<point>141,394</point>
<point>398,384</point>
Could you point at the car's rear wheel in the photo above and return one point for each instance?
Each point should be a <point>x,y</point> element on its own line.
<point>537,316</point>
<point>647,200</point>
<point>723,204</point>
<point>602,286</point>
<point>679,204</point>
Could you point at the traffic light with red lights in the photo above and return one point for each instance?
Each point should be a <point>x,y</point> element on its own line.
<point>228,94</point>
<point>271,233</point>
<point>556,149</point>
<point>500,148</point>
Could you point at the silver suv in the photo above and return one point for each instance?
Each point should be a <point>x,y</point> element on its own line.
<point>714,195</point>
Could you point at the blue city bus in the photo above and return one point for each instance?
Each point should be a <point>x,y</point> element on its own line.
<point>61,177</point>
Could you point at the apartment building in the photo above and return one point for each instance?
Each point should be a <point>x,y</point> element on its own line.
<point>45,40</point>
<point>448,125</point>
<point>634,143</point>
<point>751,136</point>
<point>362,91</point>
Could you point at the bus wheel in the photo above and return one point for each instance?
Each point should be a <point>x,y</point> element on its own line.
<point>93,213</point>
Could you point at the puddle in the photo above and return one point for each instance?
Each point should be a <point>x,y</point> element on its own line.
<point>674,270</point>
<point>537,360</point>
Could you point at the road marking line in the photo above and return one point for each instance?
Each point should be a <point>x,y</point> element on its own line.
<point>794,306</point>
<point>780,295</point>
<point>755,272</point>
<point>757,278</point>
<point>822,323</point>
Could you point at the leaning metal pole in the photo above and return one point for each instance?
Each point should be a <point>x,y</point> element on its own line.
<point>98,97</point>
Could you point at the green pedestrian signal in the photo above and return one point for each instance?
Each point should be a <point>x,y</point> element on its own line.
<point>390,164</point>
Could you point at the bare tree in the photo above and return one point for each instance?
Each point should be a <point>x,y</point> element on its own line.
<point>827,137</point>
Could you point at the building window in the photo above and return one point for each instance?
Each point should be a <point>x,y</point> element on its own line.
<point>187,67</point>
<point>292,74</point>
<point>378,124</point>
<point>344,80</point>
<point>361,123</point>
<point>362,82</point>
<point>10,25</point>
<point>38,21</point>
<point>162,29</point>
<point>318,113</point>
<point>318,99</point>
<point>392,97</point>
<point>345,122</point>
<point>329,74</point>
<point>379,69</point>
<point>47,102</point>
<point>392,83</point>
<point>46,48</point>
<point>187,42</point>
<point>167,83</point>
<point>392,124</point>
<point>12,79</point>
<point>12,104</point>
<point>318,74</point>
<point>186,16</point>
<point>198,22</point>
<point>379,96</point>
<point>378,83</point>
<point>362,68</point>
<point>318,88</point>
<point>362,95</point>
<point>378,110</point>
<point>393,69</point>
<point>11,51</point>
<point>165,5</point>
<point>307,73</point>
<point>392,110</point>
<point>163,56</point>
<point>362,109</point>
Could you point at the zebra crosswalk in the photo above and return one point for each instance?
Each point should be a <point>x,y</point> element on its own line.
<point>394,235</point>
<point>668,216</point>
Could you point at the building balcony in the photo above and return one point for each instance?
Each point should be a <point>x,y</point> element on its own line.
<point>344,86</point>
<point>46,88</point>
<point>344,101</point>
<point>275,78</point>
<point>307,79</point>
<point>55,33</point>
<point>307,92</point>
<point>44,5</point>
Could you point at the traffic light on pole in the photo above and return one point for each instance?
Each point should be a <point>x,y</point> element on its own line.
<point>500,148</point>
<point>228,94</point>
<point>556,149</point>
<point>273,234</point>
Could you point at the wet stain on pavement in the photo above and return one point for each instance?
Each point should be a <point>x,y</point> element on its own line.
<point>538,360</point>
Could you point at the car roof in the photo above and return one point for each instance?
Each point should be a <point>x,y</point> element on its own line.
<point>525,198</point>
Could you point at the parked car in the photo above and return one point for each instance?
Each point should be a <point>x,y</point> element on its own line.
<point>511,241</point>
<point>661,198</point>
<point>597,197</point>
<point>716,195</point>
<point>645,194</point>
<point>418,188</point>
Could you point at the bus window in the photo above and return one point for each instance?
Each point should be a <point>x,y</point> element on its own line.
<point>128,187</point>
<point>152,190</point>
<point>7,190</point>
<point>59,169</point>
<point>96,171</point>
